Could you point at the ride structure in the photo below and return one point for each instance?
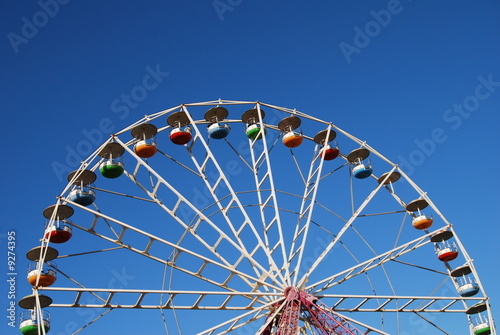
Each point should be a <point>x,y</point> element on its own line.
<point>269,222</point>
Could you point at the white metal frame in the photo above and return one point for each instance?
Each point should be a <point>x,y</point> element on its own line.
<point>266,282</point>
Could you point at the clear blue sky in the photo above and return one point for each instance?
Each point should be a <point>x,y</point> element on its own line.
<point>418,80</point>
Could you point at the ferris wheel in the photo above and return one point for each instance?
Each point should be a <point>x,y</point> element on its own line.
<point>243,217</point>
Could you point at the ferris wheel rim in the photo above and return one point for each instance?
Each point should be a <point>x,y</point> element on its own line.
<point>111,148</point>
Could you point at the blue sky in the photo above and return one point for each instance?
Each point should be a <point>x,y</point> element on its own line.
<point>418,80</point>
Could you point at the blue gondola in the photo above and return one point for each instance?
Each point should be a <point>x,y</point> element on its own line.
<point>84,197</point>
<point>362,171</point>
<point>468,287</point>
<point>218,130</point>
